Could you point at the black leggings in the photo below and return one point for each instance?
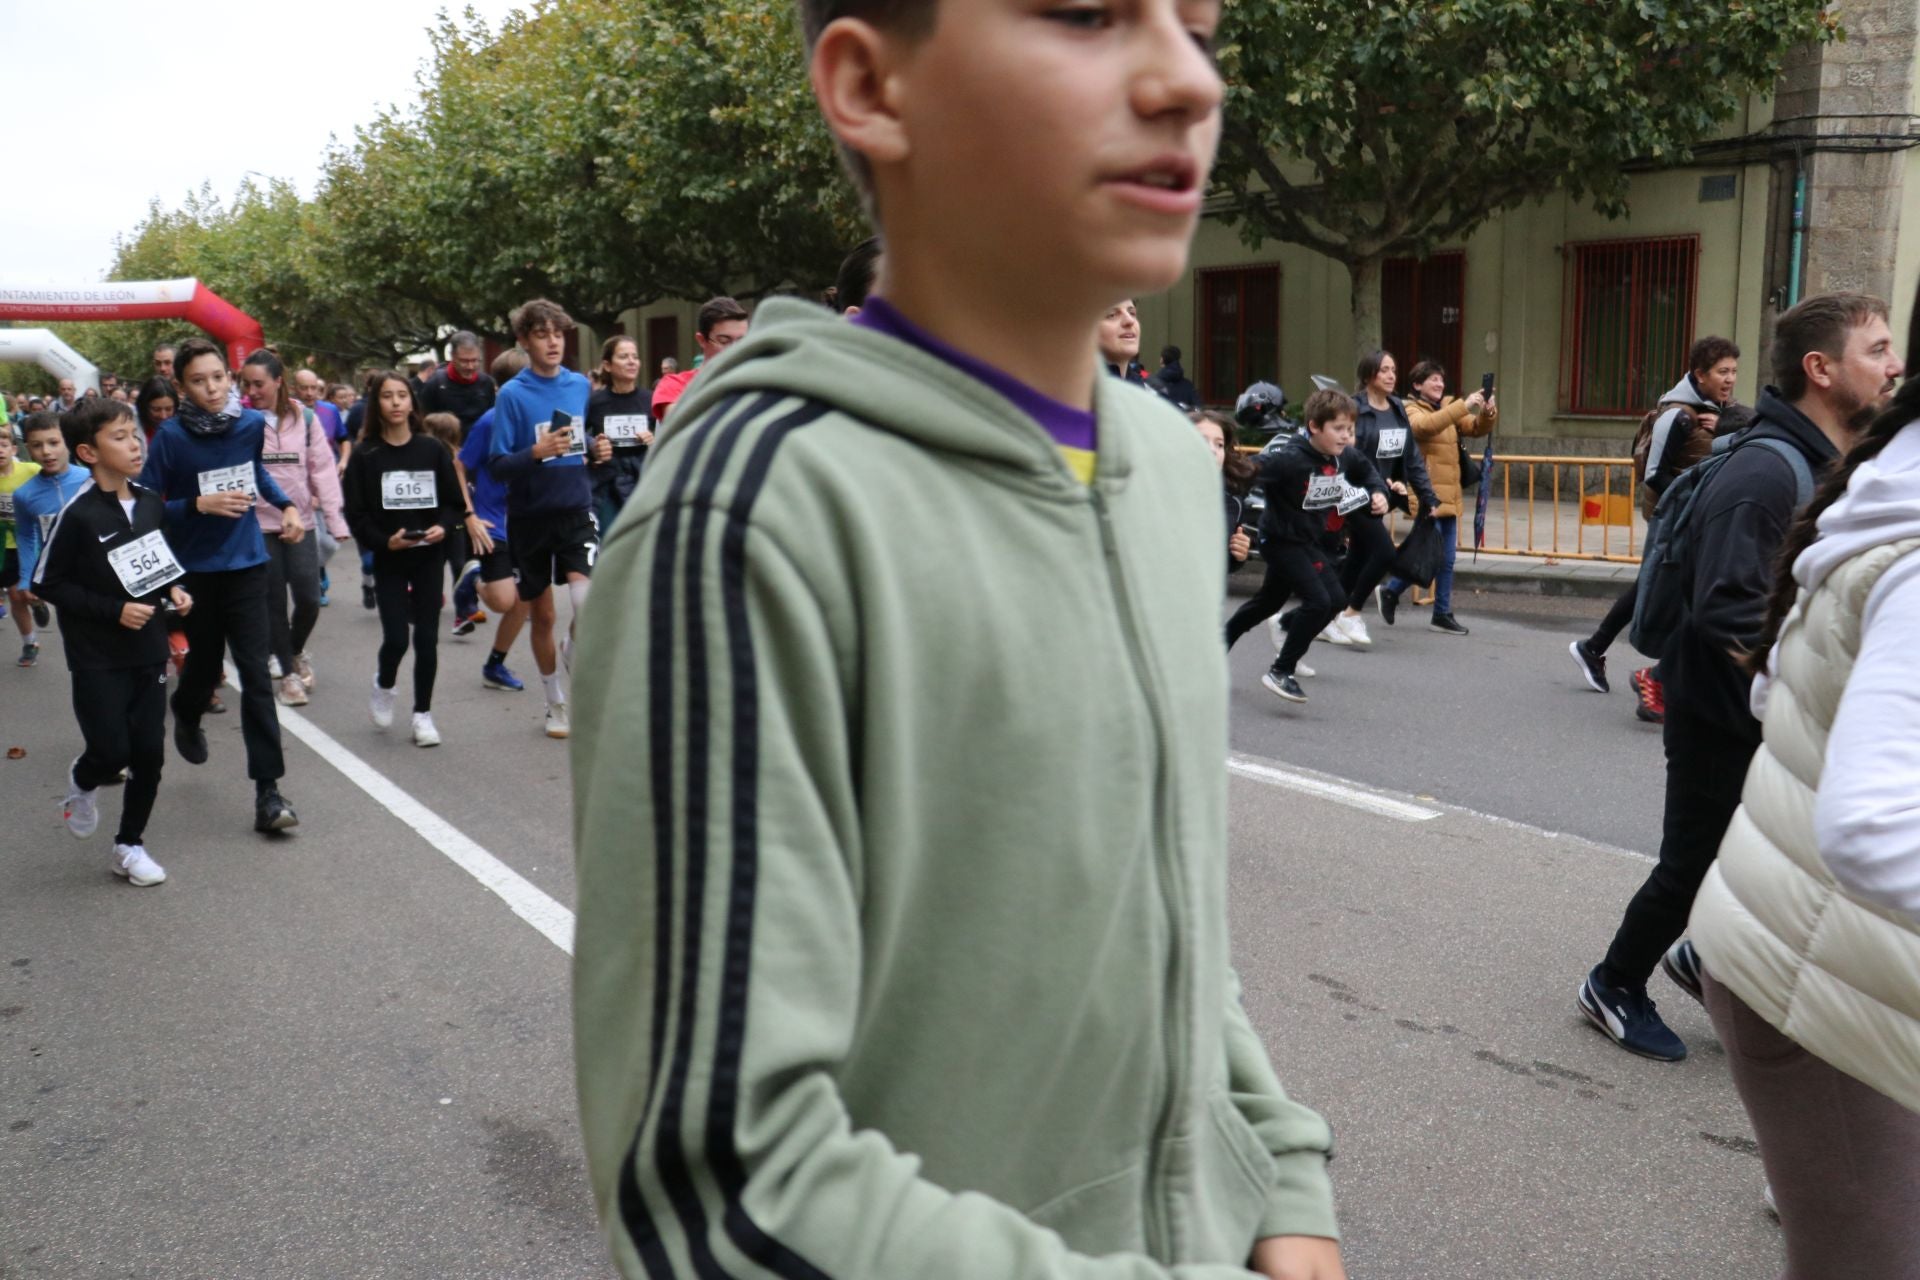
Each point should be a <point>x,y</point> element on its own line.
<point>1616,620</point>
<point>407,588</point>
<point>1369,560</point>
<point>123,720</point>
<point>1293,570</point>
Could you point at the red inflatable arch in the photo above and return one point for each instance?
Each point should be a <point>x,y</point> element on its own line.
<point>187,300</point>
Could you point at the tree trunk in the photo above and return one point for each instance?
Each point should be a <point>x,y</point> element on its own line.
<point>1366,304</point>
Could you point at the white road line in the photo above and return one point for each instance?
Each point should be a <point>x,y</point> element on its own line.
<point>1325,789</point>
<point>526,899</point>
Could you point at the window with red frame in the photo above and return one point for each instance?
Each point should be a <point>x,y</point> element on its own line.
<point>1422,306</point>
<point>1628,322</point>
<point>1239,331</point>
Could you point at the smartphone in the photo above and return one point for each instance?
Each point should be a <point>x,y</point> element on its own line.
<point>413,535</point>
<point>1486,384</point>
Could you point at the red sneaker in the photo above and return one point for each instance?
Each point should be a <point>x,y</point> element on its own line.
<point>177,650</point>
<point>1652,695</point>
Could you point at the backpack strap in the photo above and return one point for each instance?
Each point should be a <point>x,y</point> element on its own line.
<point>1802,473</point>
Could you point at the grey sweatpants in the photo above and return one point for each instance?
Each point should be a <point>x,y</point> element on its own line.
<point>1843,1158</point>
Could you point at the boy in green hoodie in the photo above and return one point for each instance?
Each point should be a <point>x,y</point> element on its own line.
<point>902,858</point>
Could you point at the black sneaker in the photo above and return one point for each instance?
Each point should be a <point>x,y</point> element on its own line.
<point>1682,964</point>
<point>41,618</point>
<point>271,812</point>
<point>1446,625</point>
<point>1286,686</point>
<point>190,740</point>
<point>1593,666</point>
<point>366,596</point>
<point>1630,1019</point>
<point>1389,605</point>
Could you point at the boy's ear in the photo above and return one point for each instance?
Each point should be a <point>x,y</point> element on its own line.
<point>853,68</point>
<point>81,453</point>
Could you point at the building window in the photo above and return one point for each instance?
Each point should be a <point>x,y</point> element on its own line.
<point>1629,318</point>
<point>1239,331</point>
<point>1422,306</point>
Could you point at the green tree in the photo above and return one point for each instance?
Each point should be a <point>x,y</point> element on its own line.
<point>1374,129</point>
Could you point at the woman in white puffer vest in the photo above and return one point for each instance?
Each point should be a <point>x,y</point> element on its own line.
<point>1809,923</point>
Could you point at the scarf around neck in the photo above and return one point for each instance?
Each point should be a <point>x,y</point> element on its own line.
<point>202,423</point>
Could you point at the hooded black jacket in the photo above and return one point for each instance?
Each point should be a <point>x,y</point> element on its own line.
<point>1286,473</point>
<point>1740,519</point>
<point>1370,427</point>
<point>1172,383</point>
<point>75,577</point>
<point>464,400</point>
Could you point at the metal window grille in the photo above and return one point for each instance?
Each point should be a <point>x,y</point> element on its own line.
<point>1629,318</point>
<point>1422,314</point>
<point>1239,330</point>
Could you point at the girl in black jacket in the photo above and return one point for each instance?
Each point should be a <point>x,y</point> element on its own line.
<point>1382,432</point>
<point>402,495</point>
<point>1313,484</point>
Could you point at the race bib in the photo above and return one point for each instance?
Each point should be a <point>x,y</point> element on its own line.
<point>229,480</point>
<point>272,459</point>
<point>6,505</point>
<point>1324,492</point>
<point>625,428</point>
<point>408,491</point>
<point>576,439</point>
<point>1353,498</point>
<point>1393,443</point>
<point>46,529</point>
<point>145,565</point>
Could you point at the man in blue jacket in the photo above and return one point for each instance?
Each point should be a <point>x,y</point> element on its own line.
<point>205,461</point>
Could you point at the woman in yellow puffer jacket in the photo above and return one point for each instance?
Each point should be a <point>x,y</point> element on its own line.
<point>1439,423</point>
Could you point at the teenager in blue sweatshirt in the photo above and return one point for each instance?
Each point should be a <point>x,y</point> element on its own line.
<point>550,530</point>
<point>205,461</point>
<point>36,503</point>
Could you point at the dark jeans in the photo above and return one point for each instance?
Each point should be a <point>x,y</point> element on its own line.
<point>293,570</point>
<point>1843,1158</point>
<point>123,720</point>
<point>1369,559</point>
<point>1292,571</point>
<point>230,613</point>
<point>406,585</point>
<point>1706,769</point>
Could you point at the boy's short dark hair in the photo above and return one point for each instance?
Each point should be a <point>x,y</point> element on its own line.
<point>508,364</point>
<point>1326,404</point>
<point>44,420</point>
<point>540,314</point>
<point>1169,355</point>
<point>192,349</point>
<point>88,419</point>
<point>717,311</point>
<point>1820,323</point>
<point>1710,351</point>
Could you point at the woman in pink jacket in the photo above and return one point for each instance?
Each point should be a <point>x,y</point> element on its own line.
<point>300,460</point>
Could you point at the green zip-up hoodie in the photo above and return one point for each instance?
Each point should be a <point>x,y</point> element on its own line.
<point>900,818</point>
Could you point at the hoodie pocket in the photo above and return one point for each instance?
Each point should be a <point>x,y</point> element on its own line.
<point>1233,1176</point>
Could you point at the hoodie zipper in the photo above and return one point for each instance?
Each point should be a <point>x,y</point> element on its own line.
<point>1159,1234</point>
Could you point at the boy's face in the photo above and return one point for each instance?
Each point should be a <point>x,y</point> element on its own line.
<point>1120,333</point>
<point>1718,381</point>
<point>1095,126</point>
<point>6,447</point>
<point>49,449</point>
<point>116,447</point>
<point>204,382</point>
<point>1332,436</point>
<point>725,334</point>
<point>546,347</point>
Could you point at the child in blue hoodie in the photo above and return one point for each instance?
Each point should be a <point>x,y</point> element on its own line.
<point>206,462</point>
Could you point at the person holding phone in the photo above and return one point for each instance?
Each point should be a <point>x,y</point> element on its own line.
<point>402,495</point>
<point>1439,423</point>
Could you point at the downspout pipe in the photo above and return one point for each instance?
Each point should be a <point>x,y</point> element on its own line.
<point>1798,247</point>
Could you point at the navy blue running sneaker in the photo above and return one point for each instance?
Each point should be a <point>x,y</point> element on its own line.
<point>1682,964</point>
<point>1630,1019</point>
<point>496,676</point>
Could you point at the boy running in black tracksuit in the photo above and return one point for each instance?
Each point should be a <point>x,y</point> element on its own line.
<point>107,568</point>
<point>1312,483</point>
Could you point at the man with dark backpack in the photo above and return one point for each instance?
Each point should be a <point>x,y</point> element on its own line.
<point>1708,574</point>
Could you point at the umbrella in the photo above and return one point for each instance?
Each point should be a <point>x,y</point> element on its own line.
<point>1480,503</point>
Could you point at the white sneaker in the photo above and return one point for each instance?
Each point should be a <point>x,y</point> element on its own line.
<point>381,705</point>
<point>82,808</point>
<point>273,669</point>
<point>303,667</point>
<point>293,691</point>
<point>130,861</point>
<point>424,734</point>
<point>1276,633</point>
<point>557,723</point>
<point>1356,628</point>
<point>1333,633</point>
<point>1304,671</point>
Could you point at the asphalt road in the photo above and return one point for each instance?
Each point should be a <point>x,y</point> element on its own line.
<point>337,1054</point>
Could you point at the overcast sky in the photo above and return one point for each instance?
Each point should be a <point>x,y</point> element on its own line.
<point>112,106</point>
